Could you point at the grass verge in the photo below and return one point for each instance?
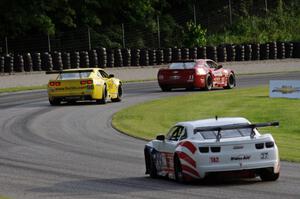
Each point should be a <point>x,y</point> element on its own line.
<point>21,88</point>
<point>148,119</point>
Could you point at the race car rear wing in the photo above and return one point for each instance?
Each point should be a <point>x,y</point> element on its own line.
<point>234,126</point>
<point>68,71</point>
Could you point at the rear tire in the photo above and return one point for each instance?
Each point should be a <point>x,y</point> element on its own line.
<point>120,93</point>
<point>268,175</point>
<point>208,82</point>
<point>165,88</point>
<point>178,171</point>
<point>230,81</point>
<point>54,101</point>
<point>103,100</point>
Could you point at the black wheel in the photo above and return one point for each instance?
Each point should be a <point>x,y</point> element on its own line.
<point>153,170</point>
<point>178,170</point>
<point>54,101</point>
<point>230,81</point>
<point>165,88</point>
<point>208,82</point>
<point>268,175</point>
<point>103,100</point>
<point>120,93</point>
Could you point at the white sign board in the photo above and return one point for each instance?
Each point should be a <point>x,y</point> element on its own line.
<point>285,88</point>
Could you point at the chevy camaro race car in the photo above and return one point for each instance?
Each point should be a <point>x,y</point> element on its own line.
<point>198,149</point>
<point>201,73</point>
<point>84,84</point>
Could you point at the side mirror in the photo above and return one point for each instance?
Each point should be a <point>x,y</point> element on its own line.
<point>220,66</point>
<point>111,75</point>
<point>160,137</point>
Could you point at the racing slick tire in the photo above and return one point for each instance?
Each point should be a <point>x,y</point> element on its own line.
<point>103,100</point>
<point>54,101</point>
<point>179,176</point>
<point>165,88</point>
<point>152,170</point>
<point>268,175</point>
<point>231,82</point>
<point>120,93</point>
<point>208,82</point>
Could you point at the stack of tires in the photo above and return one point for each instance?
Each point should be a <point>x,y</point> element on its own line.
<point>152,57</point>
<point>248,52</point>
<point>273,50</point>
<point>84,59</point>
<point>240,53</point>
<point>185,54</point>
<point>201,52</point>
<point>135,57</point>
<point>264,51</point>
<point>167,55</point>
<point>57,61</point>
<point>176,54</point>
<point>280,50</point>
<point>93,59</point>
<point>8,63</point>
<point>289,47</point>
<point>159,56</point>
<point>75,59</point>
<point>102,57</point>
<point>1,64</point>
<point>212,53</point>
<point>110,58</point>
<point>230,50</point>
<point>28,65</point>
<point>37,61</point>
<point>255,51</point>
<point>118,58</point>
<point>47,63</point>
<point>126,54</point>
<point>144,59</point>
<point>221,53</point>
<point>18,63</point>
<point>193,53</point>
<point>296,50</point>
<point>66,59</point>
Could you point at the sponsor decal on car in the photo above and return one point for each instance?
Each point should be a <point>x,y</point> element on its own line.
<point>240,157</point>
<point>214,159</point>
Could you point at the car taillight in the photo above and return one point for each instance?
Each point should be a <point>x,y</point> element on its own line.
<point>259,145</point>
<point>83,82</point>
<point>89,82</point>
<point>54,83</point>
<point>269,144</point>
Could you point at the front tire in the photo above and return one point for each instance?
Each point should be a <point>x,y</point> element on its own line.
<point>54,101</point>
<point>165,88</point>
<point>208,82</point>
<point>120,93</point>
<point>153,170</point>
<point>268,175</point>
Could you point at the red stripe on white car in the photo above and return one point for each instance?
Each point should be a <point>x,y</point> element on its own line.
<point>189,146</point>
<point>186,158</point>
<point>187,169</point>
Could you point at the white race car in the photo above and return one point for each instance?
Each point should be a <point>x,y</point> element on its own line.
<point>197,149</point>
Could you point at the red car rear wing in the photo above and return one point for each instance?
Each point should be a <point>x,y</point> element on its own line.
<point>70,71</point>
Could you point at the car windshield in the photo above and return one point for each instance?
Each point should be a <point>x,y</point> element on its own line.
<point>182,65</point>
<point>232,133</point>
<point>73,75</point>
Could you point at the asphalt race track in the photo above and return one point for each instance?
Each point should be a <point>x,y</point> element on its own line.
<point>71,151</point>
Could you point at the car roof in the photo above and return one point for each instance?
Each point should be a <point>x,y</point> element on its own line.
<point>214,122</point>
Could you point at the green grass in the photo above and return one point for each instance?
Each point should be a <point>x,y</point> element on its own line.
<point>148,119</point>
<point>21,88</point>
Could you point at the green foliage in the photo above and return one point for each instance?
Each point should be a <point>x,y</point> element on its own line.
<point>194,35</point>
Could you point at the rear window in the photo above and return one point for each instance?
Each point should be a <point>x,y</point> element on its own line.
<point>227,133</point>
<point>182,65</point>
<point>73,75</point>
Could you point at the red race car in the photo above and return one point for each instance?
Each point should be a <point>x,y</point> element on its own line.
<point>200,73</point>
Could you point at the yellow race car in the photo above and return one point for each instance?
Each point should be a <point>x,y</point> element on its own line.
<point>72,85</point>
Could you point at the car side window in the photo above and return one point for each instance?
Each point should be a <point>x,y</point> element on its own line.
<point>175,133</point>
<point>212,64</point>
<point>103,73</point>
<point>99,74</point>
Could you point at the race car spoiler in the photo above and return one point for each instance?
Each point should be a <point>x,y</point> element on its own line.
<point>234,126</point>
<point>69,71</point>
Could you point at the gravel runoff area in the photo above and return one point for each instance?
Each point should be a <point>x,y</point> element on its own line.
<point>150,72</point>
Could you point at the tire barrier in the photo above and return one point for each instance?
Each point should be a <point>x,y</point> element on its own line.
<point>240,53</point>
<point>126,54</point>
<point>202,52</point>
<point>296,51</point>
<point>84,59</point>
<point>66,60</point>
<point>289,47</point>
<point>57,61</point>
<point>280,50</point>
<point>144,59</point>
<point>36,62</point>
<point>102,57</point>
<point>193,53</point>
<point>255,51</point>
<point>248,52</point>
<point>110,58</point>
<point>273,50</point>
<point>159,56</point>
<point>1,64</point>
<point>18,63</point>
<point>135,57</point>
<point>185,54</point>
<point>152,57</point>
<point>176,54</point>
<point>212,53</point>
<point>75,59</point>
<point>28,65</point>
<point>93,58</point>
<point>8,63</point>
<point>222,53</point>
<point>264,51</point>
<point>47,63</point>
<point>167,55</point>
<point>118,58</point>
<point>230,50</point>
